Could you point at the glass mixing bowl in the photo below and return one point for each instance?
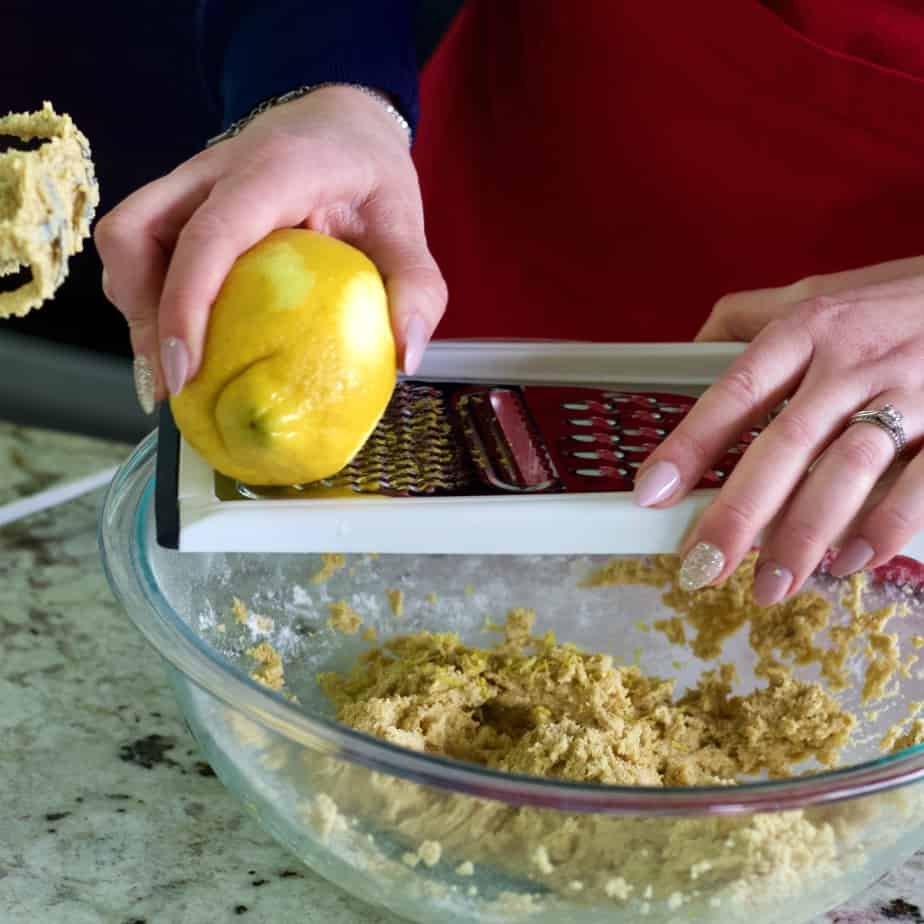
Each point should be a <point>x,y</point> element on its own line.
<point>439,841</point>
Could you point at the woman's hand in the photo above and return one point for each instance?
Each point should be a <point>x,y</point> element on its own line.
<point>334,161</point>
<point>833,346</point>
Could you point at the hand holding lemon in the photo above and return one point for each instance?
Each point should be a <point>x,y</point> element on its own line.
<point>299,362</point>
<point>334,161</point>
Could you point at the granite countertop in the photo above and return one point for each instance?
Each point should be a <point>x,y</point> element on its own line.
<point>107,812</point>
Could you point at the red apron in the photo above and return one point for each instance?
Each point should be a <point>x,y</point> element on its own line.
<point>608,174</point>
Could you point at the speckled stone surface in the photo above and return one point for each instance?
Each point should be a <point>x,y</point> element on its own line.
<point>107,813</point>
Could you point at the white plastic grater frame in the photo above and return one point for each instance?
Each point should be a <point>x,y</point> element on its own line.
<point>562,524</point>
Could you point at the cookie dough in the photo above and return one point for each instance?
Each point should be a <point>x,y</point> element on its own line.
<point>239,611</point>
<point>344,618</point>
<point>396,602</point>
<point>269,671</point>
<point>788,633</point>
<point>331,563</point>
<point>535,706</point>
<point>48,197</point>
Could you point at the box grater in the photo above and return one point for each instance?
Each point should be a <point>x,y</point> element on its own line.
<point>493,447</point>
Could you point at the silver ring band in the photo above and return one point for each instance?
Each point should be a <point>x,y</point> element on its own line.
<point>887,418</point>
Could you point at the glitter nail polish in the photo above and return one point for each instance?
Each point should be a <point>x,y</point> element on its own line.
<point>144,383</point>
<point>702,565</point>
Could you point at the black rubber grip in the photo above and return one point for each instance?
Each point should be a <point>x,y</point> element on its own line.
<point>167,480</point>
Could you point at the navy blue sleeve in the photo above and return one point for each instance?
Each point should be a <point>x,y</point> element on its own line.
<point>253,50</point>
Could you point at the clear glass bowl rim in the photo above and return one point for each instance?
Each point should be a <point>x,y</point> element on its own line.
<point>126,565</point>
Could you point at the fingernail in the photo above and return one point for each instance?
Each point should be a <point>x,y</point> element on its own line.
<point>174,358</point>
<point>656,483</point>
<point>852,557</point>
<point>144,383</point>
<point>702,565</point>
<point>771,583</point>
<point>104,284</point>
<point>415,342</point>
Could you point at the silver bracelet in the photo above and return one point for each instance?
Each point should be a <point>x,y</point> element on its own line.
<point>237,127</point>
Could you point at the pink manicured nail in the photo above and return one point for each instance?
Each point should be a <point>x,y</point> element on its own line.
<point>656,484</point>
<point>174,358</point>
<point>416,335</point>
<point>771,583</point>
<point>852,557</point>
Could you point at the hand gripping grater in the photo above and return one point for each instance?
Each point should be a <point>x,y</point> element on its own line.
<point>494,447</point>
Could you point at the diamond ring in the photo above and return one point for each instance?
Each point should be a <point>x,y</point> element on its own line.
<point>887,418</point>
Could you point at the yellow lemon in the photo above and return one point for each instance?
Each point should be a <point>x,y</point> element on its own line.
<point>299,362</point>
